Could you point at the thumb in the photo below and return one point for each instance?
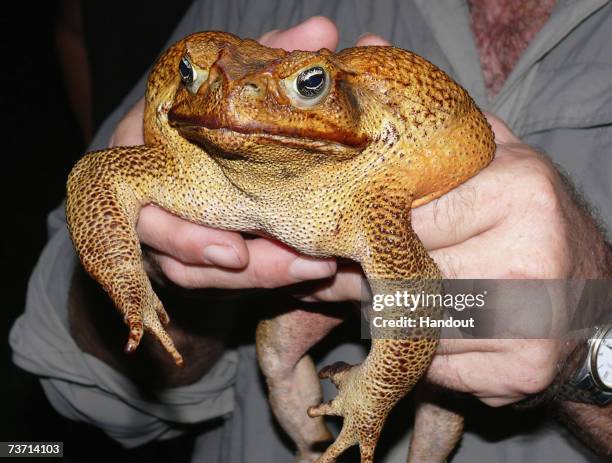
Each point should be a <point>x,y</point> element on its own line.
<point>369,39</point>
<point>503,133</point>
<point>311,35</point>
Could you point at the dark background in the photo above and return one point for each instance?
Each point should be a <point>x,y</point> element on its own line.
<point>47,125</point>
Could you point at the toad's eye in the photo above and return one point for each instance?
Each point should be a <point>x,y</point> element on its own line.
<point>188,73</point>
<point>308,87</point>
<point>311,82</point>
<point>191,75</point>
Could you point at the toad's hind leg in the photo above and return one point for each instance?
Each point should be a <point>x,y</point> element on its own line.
<point>282,346</point>
<point>395,260</point>
<point>438,425</point>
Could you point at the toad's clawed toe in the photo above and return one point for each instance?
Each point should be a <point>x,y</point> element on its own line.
<point>337,448</point>
<point>363,417</point>
<point>151,318</point>
<point>336,372</point>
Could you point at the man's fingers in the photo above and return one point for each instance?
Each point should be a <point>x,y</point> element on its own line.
<point>271,264</point>
<point>190,243</point>
<point>311,35</point>
<point>519,367</point>
<point>486,199</point>
<point>468,210</point>
<point>369,39</point>
<point>472,373</point>
<point>463,346</point>
<point>502,132</point>
<point>129,131</point>
<point>468,258</point>
<point>347,284</point>
<point>515,178</point>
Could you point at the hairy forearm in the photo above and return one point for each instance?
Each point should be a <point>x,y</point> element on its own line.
<point>591,423</point>
<point>592,261</point>
<point>587,242</point>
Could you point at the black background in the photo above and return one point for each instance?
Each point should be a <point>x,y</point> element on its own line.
<point>41,140</point>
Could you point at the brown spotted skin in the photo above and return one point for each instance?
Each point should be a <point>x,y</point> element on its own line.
<point>336,178</point>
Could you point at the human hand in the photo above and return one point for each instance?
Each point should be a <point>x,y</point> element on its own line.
<point>517,219</point>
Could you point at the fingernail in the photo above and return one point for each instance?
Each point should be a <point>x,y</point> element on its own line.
<point>304,268</point>
<point>265,38</point>
<point>373,39</point>
<point>224,256</point>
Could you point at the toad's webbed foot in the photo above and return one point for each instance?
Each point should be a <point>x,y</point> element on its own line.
<point>363,417</point>
<point>148,314</point>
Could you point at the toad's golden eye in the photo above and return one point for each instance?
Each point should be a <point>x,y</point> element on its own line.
<point>311,82</point>
<point>191,75</point>
<point>188,73</point>
<point>307,87</point>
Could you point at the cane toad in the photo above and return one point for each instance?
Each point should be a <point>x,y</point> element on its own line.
<point>327,153</point>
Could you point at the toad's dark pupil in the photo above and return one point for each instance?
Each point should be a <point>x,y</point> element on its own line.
<point>311,82</point>
<point>186,71</point>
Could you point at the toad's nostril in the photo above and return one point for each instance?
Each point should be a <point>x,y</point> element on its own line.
<point>252,86</point>
<point>253,89</point>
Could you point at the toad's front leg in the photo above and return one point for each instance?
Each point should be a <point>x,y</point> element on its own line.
<point>105,192</point>
<point>394,260</point>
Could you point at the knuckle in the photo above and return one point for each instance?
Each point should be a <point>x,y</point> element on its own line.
<point>548,261</point>
<point>122,134</point>
<point>268,273</point>
<point>182,242</point>
<point>176,273</point>
<point>544,195</point>
<point>539,368</point>
<point>262,276</point>
<point>540,185</point>
<point>496,402</point>
<point>129,129</point>
<point>542,246</point>
<point>539,382</point>
<point>461,206</point>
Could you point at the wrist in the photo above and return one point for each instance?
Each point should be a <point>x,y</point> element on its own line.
<point>592,381</point>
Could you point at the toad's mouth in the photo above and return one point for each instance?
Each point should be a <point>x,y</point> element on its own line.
<point>228,143</point>
<point>229,135</point>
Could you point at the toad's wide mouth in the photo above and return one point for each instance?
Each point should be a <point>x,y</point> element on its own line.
<point>229,141</point>
<point>319,137</point>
